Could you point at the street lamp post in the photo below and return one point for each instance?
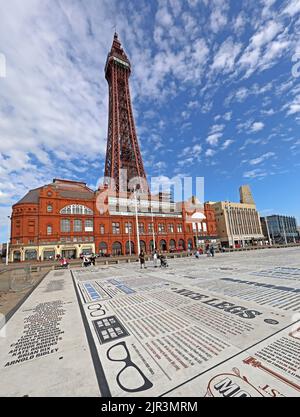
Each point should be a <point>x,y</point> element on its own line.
<point>230,225</point>
<point>137,224</point>
<point>269,237</point>
<point>153,231</point>
<point>129,227</point>
<point>7,243</point>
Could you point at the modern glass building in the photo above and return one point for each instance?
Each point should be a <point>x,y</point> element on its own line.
<point>281,228</point>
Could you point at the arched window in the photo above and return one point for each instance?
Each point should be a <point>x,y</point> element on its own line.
<point>172,244</point>
<point>76,209</point>
<point>181,244</point>
<point>143,246</point>
<point>17,256</point>
<point>127,248</point>
<point>163,245</point>
<point>117,249</point>
<point>103,248</point>
<point>151,246</point>
<point>49,230</point>
<point>49,208</point>
<point>190,244</point>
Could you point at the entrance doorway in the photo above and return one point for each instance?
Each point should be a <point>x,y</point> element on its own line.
<point>69,253</point>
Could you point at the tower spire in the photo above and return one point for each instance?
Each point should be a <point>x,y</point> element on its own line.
<point>123,152</point>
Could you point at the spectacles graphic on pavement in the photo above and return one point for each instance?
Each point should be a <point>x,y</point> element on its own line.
<point>96,310</point>
<point>130,378</point>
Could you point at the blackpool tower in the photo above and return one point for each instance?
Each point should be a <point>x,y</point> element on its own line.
<point>123,152</point>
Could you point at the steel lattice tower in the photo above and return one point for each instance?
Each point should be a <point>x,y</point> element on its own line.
<point>123,150</point>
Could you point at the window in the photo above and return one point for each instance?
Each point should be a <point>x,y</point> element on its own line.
<point>31,242</point>
<point>128,228</point>
<point>89,225</point>
<point>116,228</point>
<point>30,255</point>
<point>77,226</point>
<point>179,228</point>
<point>161,227</point>
<point>65,225</point>
<point>49,230</point>
<point>150,227</point>
<point>171,228</point>
<point>141,228</point>
<point>102,229</point>
<point>76,209</point>
<point>49,208</point>
<point>31,226</point>
<point>75,239</point>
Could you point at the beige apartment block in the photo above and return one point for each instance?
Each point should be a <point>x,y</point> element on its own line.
<point>238,224</point>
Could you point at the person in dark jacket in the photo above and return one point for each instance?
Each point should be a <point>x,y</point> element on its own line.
<point>142,259</point>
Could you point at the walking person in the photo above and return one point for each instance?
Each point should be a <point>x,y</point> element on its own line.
<point>93,259</point>
<point>207,249</point>
<point>212,251</point>
<point>142,259</point>
<point>155,259</point>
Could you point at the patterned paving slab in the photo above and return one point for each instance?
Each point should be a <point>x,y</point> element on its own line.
<point>228,326</point>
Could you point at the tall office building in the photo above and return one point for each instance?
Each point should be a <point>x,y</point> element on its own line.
<point>238,224</point>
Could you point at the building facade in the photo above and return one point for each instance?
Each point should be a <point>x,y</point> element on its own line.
<point>63,219</point>
<point>66,218</point>
<point>238,224</point>
<point>280,229</point>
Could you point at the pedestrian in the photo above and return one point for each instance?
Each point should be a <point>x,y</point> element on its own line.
<point>197,254</point>
<point>155,259</point>
<point>86,261</point>
<point>212,251</point>
<point>207,251</point>
<point>64,263</point>
<point>93,259</point>
<point>142,259</point>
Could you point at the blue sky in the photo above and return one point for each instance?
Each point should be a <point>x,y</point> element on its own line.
<point>215,89</point>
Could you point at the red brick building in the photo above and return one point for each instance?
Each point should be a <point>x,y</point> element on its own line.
<point>62,218</point>
<point>65,218</point>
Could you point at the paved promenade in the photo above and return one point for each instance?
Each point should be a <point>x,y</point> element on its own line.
<point>224,326</point>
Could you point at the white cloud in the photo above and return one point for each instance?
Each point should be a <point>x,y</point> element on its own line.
<point>216,128</point>
<point>218,18</point>
<point>253,58</point>
<point>292,8</point>
<point>255,173</point>
<point>210,153</point>
<point>213,140</point>
<point>227,116</point>
<point>227,143</point>
<point>256,127</point>
<point>225,58</point>
<point>261,158</point>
